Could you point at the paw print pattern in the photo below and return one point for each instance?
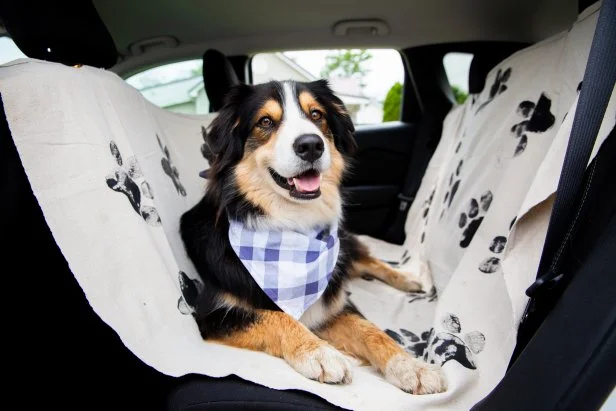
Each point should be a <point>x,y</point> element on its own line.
<point>438,348</point>
<point>412,343</point>
<point>395,264</point>
<point>454,184</point>
<point>430,296</point>
<point>425,213</point>
<point>451,323</point>
<point>472,219</point>
<point>498,244</point>
<point>190,291</point>
<point>122,180</point>
<point>491,264</point>
<point>170,169</point>
<point>498,87</point>
<point>537,119</point>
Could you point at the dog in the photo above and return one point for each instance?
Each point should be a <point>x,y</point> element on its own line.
<point>278,153</point>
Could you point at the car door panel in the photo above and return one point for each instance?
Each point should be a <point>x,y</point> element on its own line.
<point>376,174</point>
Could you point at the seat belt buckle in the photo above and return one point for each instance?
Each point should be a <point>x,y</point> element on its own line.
<point>543,283</point>
<point>405,201</point>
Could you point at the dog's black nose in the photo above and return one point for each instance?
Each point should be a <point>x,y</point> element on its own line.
<point>309,147</point>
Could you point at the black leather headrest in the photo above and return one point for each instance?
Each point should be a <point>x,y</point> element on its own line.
<point>482,64</point>
<point>218,77</point>
<point>64,31</point>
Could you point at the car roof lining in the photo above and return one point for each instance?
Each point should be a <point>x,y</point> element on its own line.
<point>242,27</point>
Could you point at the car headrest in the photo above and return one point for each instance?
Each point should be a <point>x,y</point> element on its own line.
<point>484,62</point>
<point>65,31</point>
<point>218,77</point>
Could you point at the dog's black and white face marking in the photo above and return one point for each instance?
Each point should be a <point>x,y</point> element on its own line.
<point>301,153</point>
<point>284,146</point>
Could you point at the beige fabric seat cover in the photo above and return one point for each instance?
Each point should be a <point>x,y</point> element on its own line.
<point>113,174</point>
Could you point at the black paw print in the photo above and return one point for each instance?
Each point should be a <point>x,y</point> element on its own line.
<point>424,214</point>
<point>412,343</point>
<point>471,220</point>
<point>538,119</point>
<point>170,169</point>
<point>123,181</point>
<point>190,291</point>
<point>491,264</point>
<point>430,296</point>
<point>498,87</point>
<point>454,184</point>
<point>395,264</point>
<point>438,348</point>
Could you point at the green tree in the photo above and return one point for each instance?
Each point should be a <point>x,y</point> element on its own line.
<point>197,71</point>
<point>346,63</point>
<point>459,95</point>
<point>391,105</point>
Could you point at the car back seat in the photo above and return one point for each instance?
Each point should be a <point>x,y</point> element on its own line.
<point>113,173</point>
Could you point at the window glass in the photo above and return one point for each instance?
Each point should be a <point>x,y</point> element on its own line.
<point>176,87</point>
<point>9,51</point>
<point>369,82</point>
<point>457,66</point>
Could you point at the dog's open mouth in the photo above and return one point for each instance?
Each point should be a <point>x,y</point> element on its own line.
<point>305,186</point>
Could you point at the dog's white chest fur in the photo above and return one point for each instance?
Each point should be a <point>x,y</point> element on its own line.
<point>319,312</point>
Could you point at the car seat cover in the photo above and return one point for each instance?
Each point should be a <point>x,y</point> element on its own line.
<point>113,174</point>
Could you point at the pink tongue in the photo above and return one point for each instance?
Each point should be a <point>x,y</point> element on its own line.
<point>307,183</point>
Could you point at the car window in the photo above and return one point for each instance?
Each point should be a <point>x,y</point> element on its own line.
<point>9,51</point>
<point>457,66</point>
<point>176,87</point>
<point>369,82</point>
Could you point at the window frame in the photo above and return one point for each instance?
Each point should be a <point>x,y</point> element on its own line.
<point>132,73</point>
<point>408,90</point>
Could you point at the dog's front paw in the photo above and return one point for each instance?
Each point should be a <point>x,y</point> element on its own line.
<point>418,280</point>
<point>415,376</point>
<point>323,363</point>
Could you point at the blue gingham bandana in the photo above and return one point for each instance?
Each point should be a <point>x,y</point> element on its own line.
<point>292,268</point>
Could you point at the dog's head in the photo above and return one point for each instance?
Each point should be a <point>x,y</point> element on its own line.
<point>283,146</point>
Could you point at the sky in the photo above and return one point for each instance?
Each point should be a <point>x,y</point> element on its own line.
<point>384,69</point>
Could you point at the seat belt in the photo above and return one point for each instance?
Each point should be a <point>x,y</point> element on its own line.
<point>597,87</point>
<point>426,141</point>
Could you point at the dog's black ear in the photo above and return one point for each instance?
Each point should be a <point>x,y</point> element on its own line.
<point>344,129</point>
<point>225,136</point>
<point>338,117</point>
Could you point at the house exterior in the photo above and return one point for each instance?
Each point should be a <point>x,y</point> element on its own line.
<point>188,95</point>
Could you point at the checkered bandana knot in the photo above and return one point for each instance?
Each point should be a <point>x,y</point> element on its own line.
<point>293,268</point>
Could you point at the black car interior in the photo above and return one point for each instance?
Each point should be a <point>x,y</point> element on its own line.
<point>81,363</point>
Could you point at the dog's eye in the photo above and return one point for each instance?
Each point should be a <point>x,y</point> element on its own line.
<point>265,122</point>
<point>316,115</point>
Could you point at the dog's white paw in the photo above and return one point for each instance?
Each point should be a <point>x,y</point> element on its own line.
<point>408,282</point>
<point>415,376</point>
<point>425,277</point>
<point>419,279</point>
<point>324,364</point>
